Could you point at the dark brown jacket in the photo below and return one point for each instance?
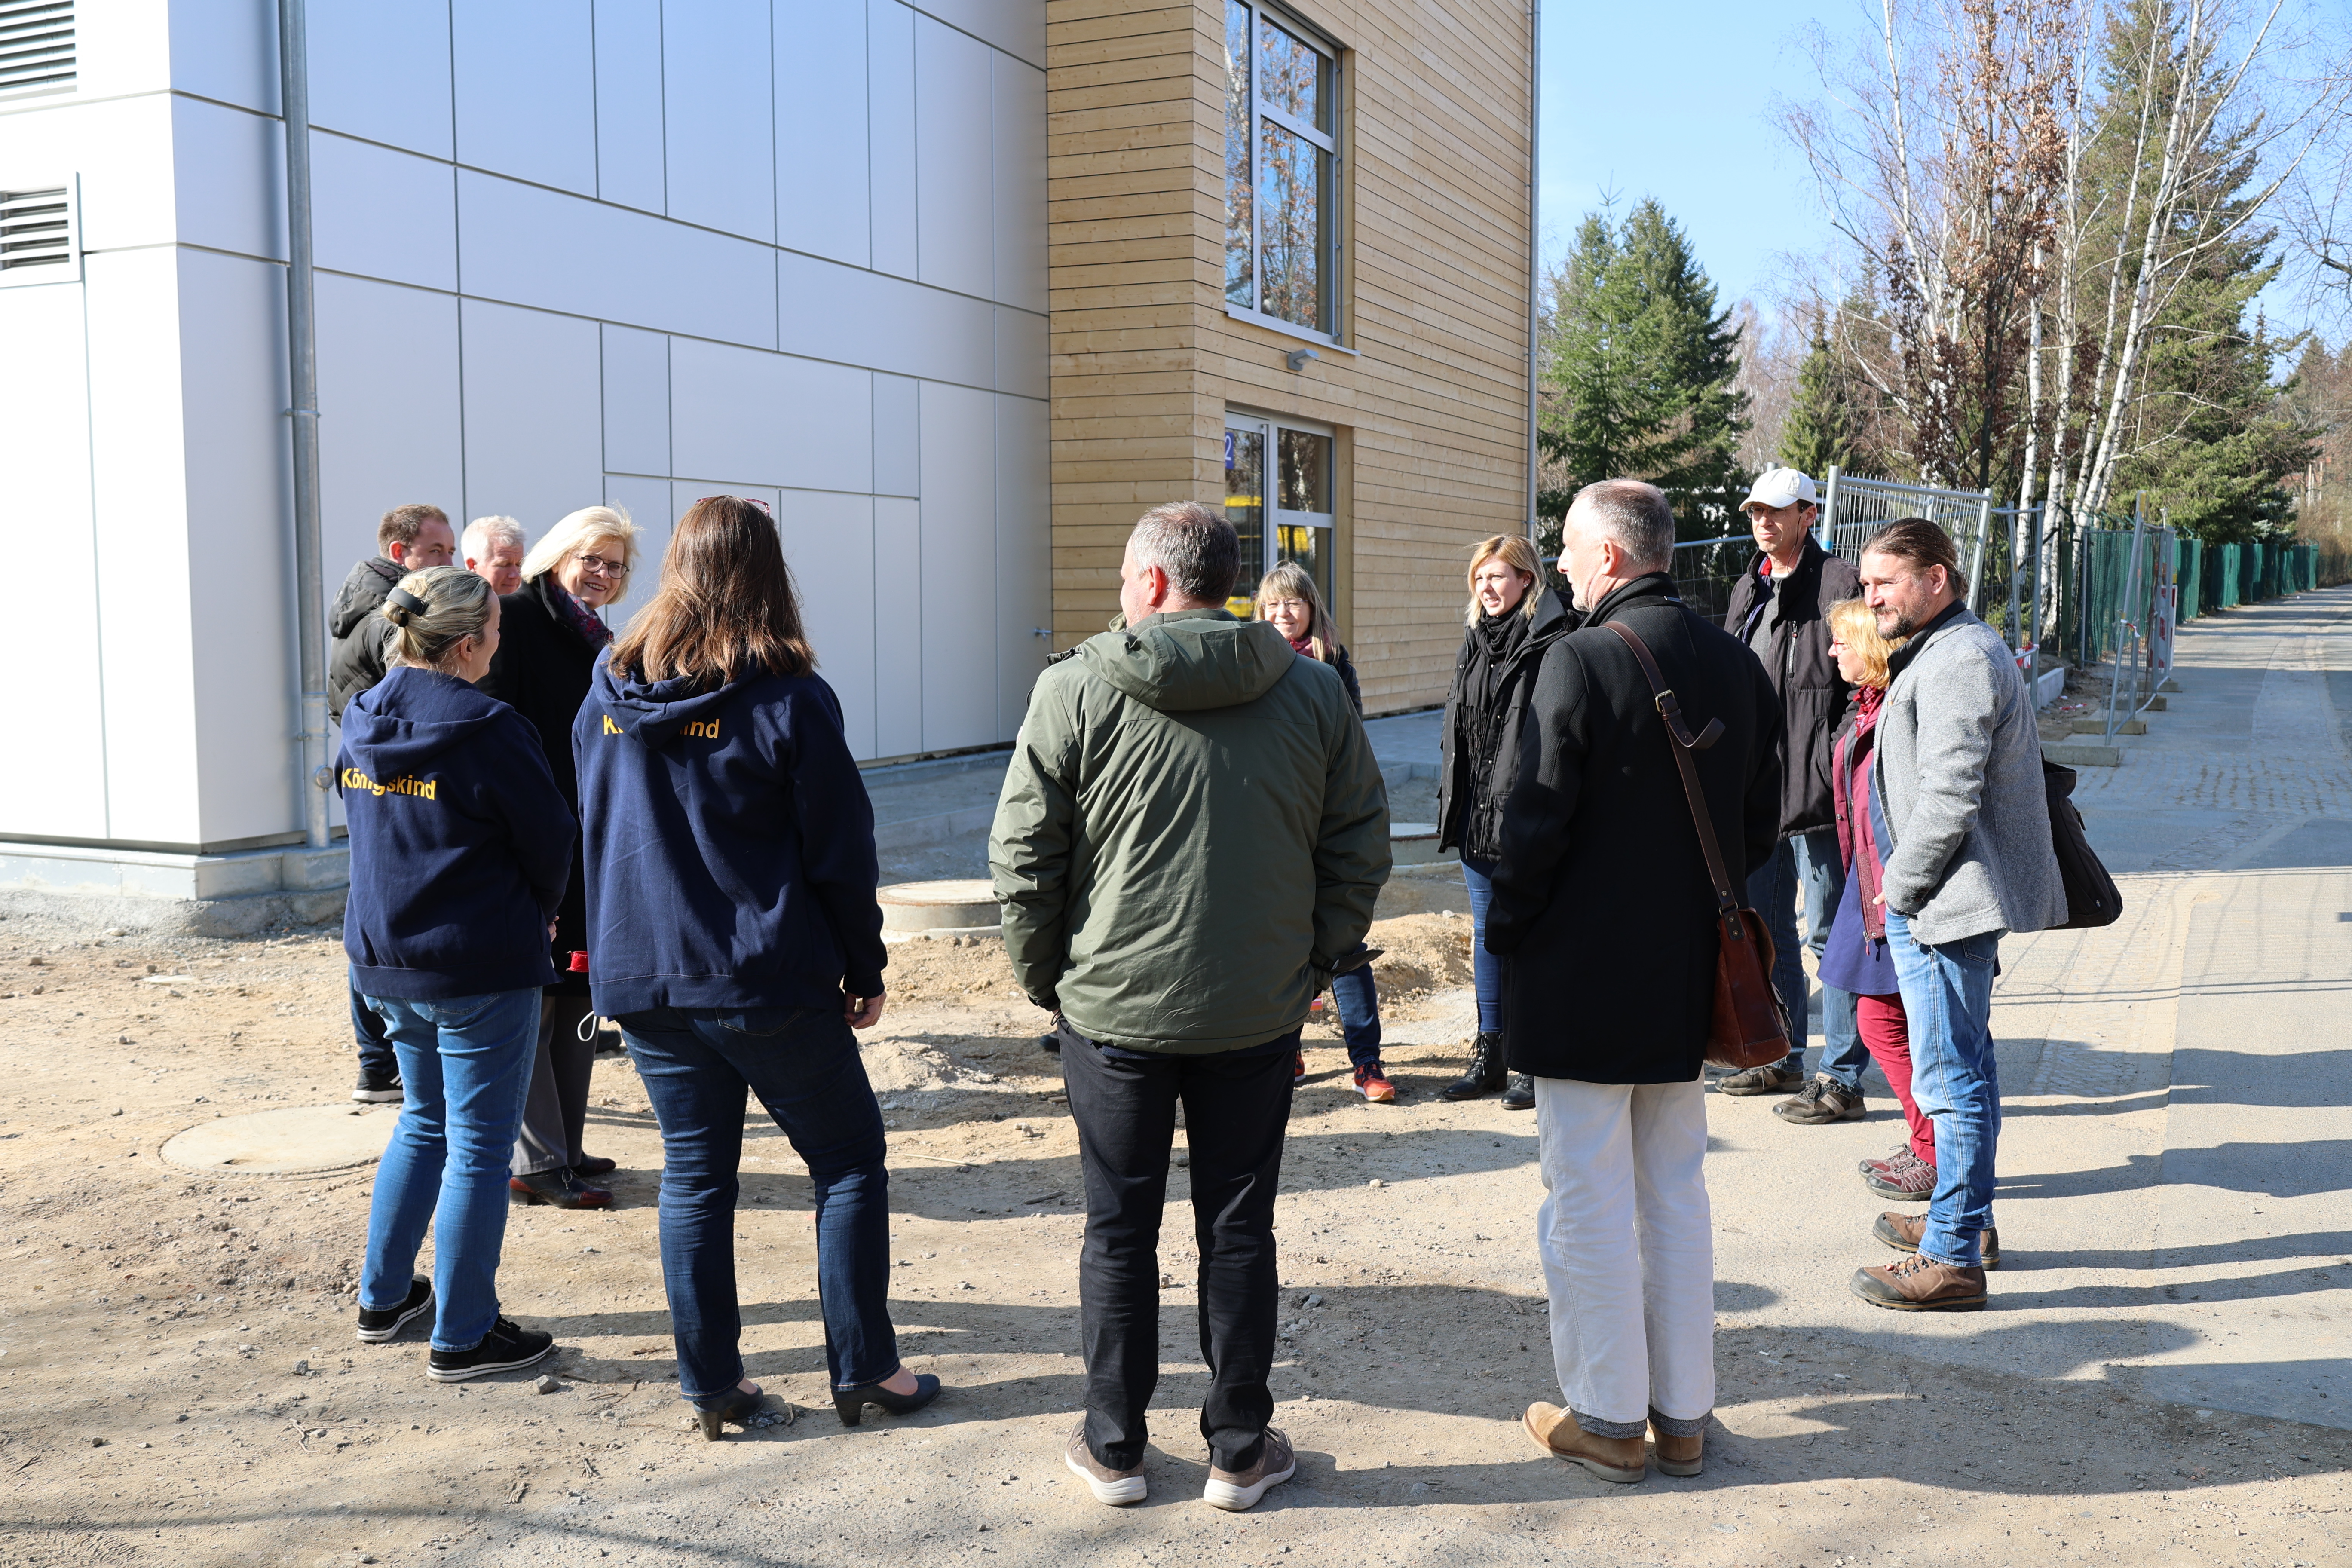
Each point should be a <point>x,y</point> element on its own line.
<point>1812,695</point>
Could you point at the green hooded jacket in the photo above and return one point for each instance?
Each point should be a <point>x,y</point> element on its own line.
<point>1193,829</point>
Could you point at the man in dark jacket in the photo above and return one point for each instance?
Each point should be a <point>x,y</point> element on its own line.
<point>1777,609</point>
<point>1192,837</point>
<point>1602,897</point>
<point>409,539</point>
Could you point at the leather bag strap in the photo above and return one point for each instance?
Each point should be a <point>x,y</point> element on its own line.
<point>1681,743</point>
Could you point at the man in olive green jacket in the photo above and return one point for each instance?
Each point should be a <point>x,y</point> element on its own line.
<point>1191,836</point>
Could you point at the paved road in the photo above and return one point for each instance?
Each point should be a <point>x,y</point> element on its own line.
<point>2178,1086</point>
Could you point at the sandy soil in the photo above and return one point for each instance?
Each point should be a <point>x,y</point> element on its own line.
<point>179,1380</point>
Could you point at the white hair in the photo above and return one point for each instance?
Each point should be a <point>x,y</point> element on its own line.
<point>484,532</point>
<point>584,530</point>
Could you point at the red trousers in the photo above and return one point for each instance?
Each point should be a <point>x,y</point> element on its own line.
<point>1886,1035</point>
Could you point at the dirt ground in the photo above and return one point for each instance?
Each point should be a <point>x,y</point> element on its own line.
<point>179,1382</point>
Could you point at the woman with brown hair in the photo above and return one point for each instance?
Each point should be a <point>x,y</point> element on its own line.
<point>1287,598</point>
<point>738,944</point>
<point>1511,619</point>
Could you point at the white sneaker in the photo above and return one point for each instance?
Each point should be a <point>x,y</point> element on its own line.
<point>1117,1487</point>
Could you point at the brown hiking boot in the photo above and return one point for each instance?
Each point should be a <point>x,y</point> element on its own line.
<point>1901,1231</point>
<point>1555,1431</point>
<point>1820,1103</point>
<point>1677,1455</point>
<point>1921,1285</point>
<point>1772,1079</point>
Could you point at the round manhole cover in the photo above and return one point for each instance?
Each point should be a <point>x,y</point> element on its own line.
<point>939,906</point>
<point>288,1142</point>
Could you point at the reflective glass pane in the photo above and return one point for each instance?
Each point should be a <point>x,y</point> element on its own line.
<point>1293,180</point>
<point>1304,472</point>
<point>1311,548</point>
<point>1292,77</point>
<point>1238,192</point>
<point>1245,509</point>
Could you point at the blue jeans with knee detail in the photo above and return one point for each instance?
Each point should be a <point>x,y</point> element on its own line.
<point>465,1062</point>
<point>1806,869</point>
<point>1948,999</point>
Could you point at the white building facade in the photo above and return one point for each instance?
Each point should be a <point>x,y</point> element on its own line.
<point>638,251</point>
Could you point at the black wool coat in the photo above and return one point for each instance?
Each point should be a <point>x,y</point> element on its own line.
<point>542,669</point>
<point>1602,906</point>
<point>1478,749</point>
<point>1813,694</point>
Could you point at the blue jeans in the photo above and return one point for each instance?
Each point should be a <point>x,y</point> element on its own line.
<point>377,1058</point>
<point>1486,969</point>
<point>1806,869</point>
<point>1948,998</point>
<point>697,1066</point>
<point>466,1063</point>
<point>1359,1001</point>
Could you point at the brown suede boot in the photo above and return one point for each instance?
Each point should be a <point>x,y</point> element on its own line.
<point>1902,1232</point>
<point>1677,1455</point>
<point>1555,1431</point>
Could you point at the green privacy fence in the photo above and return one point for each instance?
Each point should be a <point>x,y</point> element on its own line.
<point>2096,566</point>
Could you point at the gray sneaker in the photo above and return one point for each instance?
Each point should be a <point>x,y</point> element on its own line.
<point>1235,1491</point>
<point>1775,1078</point>
<point>1821,1102</point>
<point>1117,1487</point>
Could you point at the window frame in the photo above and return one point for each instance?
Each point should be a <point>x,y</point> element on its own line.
<point>1272,518</point>
<point>1328,264</point>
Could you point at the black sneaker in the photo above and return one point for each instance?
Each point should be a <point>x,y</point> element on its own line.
<point>379,1324</point>
<point>377,1090</point>
<point>507,1346</point>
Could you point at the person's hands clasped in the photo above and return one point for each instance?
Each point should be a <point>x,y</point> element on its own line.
<point>862,1012</point>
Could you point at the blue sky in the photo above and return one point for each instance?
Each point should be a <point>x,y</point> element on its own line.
<point>1674,100</point>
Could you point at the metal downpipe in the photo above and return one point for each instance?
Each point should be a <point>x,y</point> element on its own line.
<point>302,376</point>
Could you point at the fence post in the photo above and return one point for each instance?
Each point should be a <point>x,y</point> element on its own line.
<point>1976,556</point>
<point>1828,512</point>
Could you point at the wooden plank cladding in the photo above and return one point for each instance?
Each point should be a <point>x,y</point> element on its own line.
<point>1431,290</point>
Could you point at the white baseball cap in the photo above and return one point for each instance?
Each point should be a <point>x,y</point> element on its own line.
<point>1777,487</point>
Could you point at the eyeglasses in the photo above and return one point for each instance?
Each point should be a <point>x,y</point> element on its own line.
<point>747,501</point>
<point>602,567</point>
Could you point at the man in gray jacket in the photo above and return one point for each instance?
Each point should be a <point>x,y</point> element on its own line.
<point>1963,824</point>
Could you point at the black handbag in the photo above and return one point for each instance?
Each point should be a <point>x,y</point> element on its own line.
<point>2092,897</point>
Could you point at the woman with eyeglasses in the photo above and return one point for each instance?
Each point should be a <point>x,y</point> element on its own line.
<point>552,633</point>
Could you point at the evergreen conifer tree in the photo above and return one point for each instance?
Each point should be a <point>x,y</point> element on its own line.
<point>1820,429</point>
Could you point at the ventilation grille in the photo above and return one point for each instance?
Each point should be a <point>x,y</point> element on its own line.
<point>36,45</point>
<point>36,236</point>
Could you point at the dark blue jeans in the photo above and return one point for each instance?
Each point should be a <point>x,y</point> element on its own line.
<point>377,1058</point>
<point>1486,969</point>
<point>1359,1001</point>
<point>698,1066</point>
<point>1806,869</point>
<point>466,1063</point>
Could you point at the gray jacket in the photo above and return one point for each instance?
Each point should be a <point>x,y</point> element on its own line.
<point>1959,774</point>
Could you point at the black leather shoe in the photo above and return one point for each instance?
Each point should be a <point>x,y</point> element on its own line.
<point>734,1406</point>
<point>560,1187</point>
<point>850,1404</point>
<point>1485,1073</point>
<point>1521,1095</point>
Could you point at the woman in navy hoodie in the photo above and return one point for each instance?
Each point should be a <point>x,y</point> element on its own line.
<point>734,937</point>
<point>461,846</point>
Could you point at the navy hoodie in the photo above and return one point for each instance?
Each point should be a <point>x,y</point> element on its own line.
<point>730,846</point>
<point>461,844</point>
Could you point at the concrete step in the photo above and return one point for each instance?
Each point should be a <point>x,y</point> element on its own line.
<point>2082,754</point>
<point>2099,726</point>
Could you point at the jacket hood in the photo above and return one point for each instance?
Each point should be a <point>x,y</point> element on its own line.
<point>656,711</point>
<point>404,724</point>
<point>361,592</point>
<point>1186,660</point>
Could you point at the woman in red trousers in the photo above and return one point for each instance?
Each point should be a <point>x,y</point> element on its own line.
<point>1857,959</point>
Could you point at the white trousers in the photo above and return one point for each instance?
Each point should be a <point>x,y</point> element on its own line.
<point>1628,1247</point>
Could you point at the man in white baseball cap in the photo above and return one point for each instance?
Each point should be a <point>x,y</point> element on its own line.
<point>1778,609</point>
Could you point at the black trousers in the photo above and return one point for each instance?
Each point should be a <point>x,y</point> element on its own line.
<point>1236,1107</point>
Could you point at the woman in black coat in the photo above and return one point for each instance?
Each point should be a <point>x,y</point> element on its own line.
<point>551,635</point>
<point>1512,619</point>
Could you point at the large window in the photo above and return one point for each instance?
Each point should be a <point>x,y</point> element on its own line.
<point>1281,108</point>
<point>1278,498</point>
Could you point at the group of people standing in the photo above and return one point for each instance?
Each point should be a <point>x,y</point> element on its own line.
<point>671,817</point>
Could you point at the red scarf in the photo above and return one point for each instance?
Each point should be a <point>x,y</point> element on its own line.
<point>1305,644</point>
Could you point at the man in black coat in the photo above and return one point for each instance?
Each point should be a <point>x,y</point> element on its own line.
<point>407,539</point>
<point>1605,913</point>
<point>1780,609</point>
